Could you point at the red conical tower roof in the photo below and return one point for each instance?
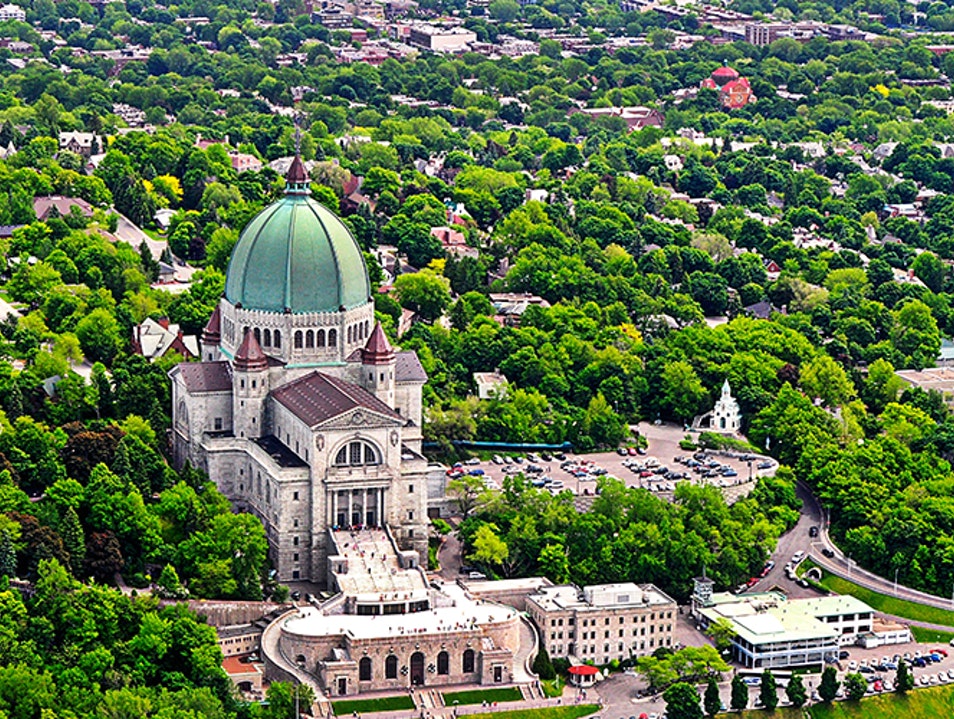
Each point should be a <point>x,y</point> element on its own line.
<point>250,357</point>
<point>212,334</point>
<point>378,350</point>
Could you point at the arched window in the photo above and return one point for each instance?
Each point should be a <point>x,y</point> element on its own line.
<point>309,339</point>
<point>367,328</point>
<point>258,335</point>
<point>468,663</point>
<point>350,334</point>
<point>268,338</point>
<point>443,663</point>
<point>332,338</point>
<point>320,338</point>
<point>297,339</point>
<point>277,338</point>
<point>390,667</point>
<point>357,453</point>
<point>364,669</point>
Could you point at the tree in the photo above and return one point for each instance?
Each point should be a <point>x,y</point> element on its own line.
<point>828,688</point>
<point>795,691</point>
<point>710,291</point>
<point>930,270</point>
<point>740,694</point>
<point>504,10</point>
<point>722,633</point>
<point>425,292</point>
<point>711,701</point>
<point>542,666</point>
<point>855,686</point>
<point>99,335</point>
<point>768,693</point>
<point>682,702</point>
<point>73,541</point>
<point>554,563</point>
<point>681,390</point>
<point>489,549</point>
<point>284,697</point>
<point>465,492</point>
<point>826,379</point>
<point>904,678</point>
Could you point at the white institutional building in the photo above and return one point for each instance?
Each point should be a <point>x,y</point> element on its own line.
<point>300,410</point>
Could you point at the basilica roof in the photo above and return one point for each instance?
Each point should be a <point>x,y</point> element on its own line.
<point>318,397</point>
<point>206,376</point>
<point>297,256</point>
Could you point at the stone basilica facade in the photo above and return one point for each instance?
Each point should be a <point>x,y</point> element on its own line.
<point>300,410</point>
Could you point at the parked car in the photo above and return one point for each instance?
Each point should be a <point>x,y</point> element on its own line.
<point>730,473</point>
<point>476,472</point>
<point>472,461</point>
<point>828,552</point>
<point>622,452</point>
<point>764,465</point>
<point>497,459</point>
<point>813,531</point>
<point>752,681</point>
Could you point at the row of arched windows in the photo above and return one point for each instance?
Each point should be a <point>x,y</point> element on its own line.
<point>366,667</point>
<point>358,332</point>
<point>266,338</point>
<point>309,339</point>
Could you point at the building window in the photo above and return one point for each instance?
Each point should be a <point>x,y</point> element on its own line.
<point>295,522</point>
<point>467,666</point>
<point>443,663</point>
<point>295,541</point>
<point>390,667</point>
<point>297,339</point>
<point>268,338</point>
<point>309,339</point>
<point>295,496</point>
<point>295,557</point>
<point>364,669</point>
<point>242,384</point>
<point>320,338</point>
<point>258,335</point>
<point>218,423</point>
<point>296,574</point>
<point>410,515</point>
<point>332,338</point>
<point>410,489</point>
<point>357,453</point>
<point>277,339</point>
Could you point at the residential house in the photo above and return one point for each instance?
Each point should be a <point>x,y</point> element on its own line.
<point>154,339</point>
<point>59,206</point>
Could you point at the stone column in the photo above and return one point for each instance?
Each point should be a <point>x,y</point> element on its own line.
<point>381,507</point>
<point>350,507</point>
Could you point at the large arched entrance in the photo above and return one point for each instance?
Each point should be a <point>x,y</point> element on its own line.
<point>417,669</point>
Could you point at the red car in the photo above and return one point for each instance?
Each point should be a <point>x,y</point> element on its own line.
<point>942,652</point>
<point>632,451</point>
<point>753,581</point>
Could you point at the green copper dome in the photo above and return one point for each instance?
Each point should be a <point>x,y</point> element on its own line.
<point>297,256</point>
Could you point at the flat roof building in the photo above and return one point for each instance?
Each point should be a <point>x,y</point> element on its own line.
<point>603,622</point>
<point>772,631</point>
<point>939,379</point>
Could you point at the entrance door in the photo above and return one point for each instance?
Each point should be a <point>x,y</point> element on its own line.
<point>342,519</point>
<point>498,675</point>
<point>369,519</point>
<point>356,519</point>
<point>342,686</point>
<point>417,669</point>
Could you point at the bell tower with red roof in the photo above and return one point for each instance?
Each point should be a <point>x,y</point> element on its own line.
<point>377,366</point>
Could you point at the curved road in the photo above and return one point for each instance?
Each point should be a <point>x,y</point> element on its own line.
<point>798,539</point>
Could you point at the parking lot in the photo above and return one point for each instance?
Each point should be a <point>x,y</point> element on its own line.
<point>655,468</point>
<point>624,694</point>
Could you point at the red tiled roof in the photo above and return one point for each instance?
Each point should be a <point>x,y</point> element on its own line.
<point>206,376</point>
<point>317,397</point>
<point>213,328</point>
<point>250,357</point>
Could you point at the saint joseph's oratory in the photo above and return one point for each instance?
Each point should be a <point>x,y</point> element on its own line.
<point>300,410</point>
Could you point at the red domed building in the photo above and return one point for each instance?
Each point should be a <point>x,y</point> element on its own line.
<point>734,90</point>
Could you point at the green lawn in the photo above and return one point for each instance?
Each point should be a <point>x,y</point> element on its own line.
<point>379,704</point>
<point>478,696</point>
<point>890,605</point>
<point>780,713</point>
<point>565,712</point>
<point>931,636</point>
<point>930,703</point>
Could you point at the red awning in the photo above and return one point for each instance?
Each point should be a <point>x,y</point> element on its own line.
<point>584,670</point>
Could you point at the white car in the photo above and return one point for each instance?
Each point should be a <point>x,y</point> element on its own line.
<point>852,665</point>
